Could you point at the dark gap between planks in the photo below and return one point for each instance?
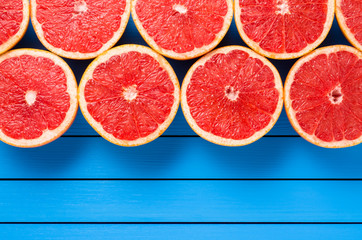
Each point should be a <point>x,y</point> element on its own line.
<point>180,179</point>
<point>187,223</point>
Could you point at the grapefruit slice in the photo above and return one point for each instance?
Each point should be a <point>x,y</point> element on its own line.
<point>129,95</point>
<point>79,29</point>
<point>232,96</point>
<point>323,97</point>
<point>182,29</point>
<point>349,18</point>
<point>14,20</point>
<point>284,29</point>
<point>38,97</point>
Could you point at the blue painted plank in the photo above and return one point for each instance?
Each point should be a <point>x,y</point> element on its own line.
<point>181,232</point>
<point>180,158</point>
<point>179,126</point>
<point>180,201</point>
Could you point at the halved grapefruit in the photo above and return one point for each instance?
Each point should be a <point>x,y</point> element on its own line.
<point>349,16</point>
<point>129,95</point>
<point>284,29</point>
<point>182,29</point>
<point>38,97</point>
<point>232,96</point>
<point>79,29</point>
<point>14,20</point>
<point>323,96</point>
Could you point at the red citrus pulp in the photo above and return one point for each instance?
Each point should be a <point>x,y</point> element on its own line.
<point>232,96</point>
<point>38,97</point>
<point>349,18</point>
<point>323,96</point>
<point>129,95</point>
<point>284,29</point>
<point>182,29</point>
<point>14,20</point>
<point>79,29</point>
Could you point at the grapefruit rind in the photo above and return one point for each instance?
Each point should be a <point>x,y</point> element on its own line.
<point>288,104</point>
<point>103,58</point>
<point>12,41</point>
<point>283,56</point>
<point>217,139</point>
<point>197,52</point>
<point>77,55</point>
<point>345,29</point>
<point>48,135</point>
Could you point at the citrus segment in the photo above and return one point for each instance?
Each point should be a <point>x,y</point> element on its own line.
<point>14,20</point>
<point>283,29</point>
<point>349,18</point>
<point>232,96</point>
<point>80,29</point>
<point>129,95</point>
<point>324,97</point>
<point>182,29</point>
<point>38,97</point>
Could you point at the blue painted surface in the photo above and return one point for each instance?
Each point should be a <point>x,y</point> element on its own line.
<point>180,157</point>
<point>181,201</point>
<point>182,232</point>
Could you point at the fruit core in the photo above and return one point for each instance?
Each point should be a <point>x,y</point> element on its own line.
<point>283,7</point>
<point>30,97</point>
<point>180,8</point>
<point>336,96</point>
<point>80,7</point>
<point>130,93</point>
<point>231,93</point>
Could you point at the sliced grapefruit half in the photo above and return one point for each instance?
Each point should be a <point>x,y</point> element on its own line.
<point>323,97</point>
<point>129,95</point>
<point>38,97</point>
<point>349,16</point>
<point>182,29</point>
<point>284,29</point>
<point>79,29</point>
<point>232,96</point>
<point>14,20</point>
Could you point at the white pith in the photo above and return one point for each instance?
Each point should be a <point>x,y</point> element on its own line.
<point>30,97</point>
<point>288,103</point>
<point>78,55</point>
<point>231,94</point>
<point>226,141</point>
<point>187,55</point>
<point>48,135</point>
<point>180,8</point>
<point>283,7</point>
<point>12,41</point>
<point>80,6</point>
<point>88,74</point>
<point>332,98</point>
<point>130,93</point>
<point>255,46</point>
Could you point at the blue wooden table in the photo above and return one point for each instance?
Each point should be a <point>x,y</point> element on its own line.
<point>180,186</point>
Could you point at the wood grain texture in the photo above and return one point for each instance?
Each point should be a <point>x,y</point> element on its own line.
<point>180,158</point>
<point>181,201</point>
<point>180,232</point>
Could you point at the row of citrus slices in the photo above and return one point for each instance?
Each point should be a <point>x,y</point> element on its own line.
<point>130,94</point>
<point>232,96</point>
<point>83,29</point>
